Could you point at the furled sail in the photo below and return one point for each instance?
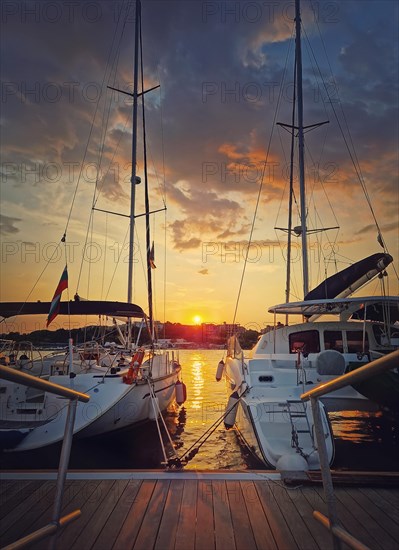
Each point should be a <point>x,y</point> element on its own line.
<point>343,283</point>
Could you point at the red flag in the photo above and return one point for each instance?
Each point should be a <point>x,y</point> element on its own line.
<point>151,258</point>
<point>55,302</point>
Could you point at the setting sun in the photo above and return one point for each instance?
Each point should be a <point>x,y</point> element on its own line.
<point>197,319</point>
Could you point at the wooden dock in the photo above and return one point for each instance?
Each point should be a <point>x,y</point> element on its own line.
<point>189,510</point>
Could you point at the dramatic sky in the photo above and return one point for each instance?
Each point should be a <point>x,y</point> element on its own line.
<point>226,72</point>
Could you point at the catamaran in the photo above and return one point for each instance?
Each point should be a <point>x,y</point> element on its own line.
<point>289,359</point>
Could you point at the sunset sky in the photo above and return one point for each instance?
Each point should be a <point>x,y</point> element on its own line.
<point>226,72</point>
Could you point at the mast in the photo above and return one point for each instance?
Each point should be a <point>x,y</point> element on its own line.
<point>133,179</point>
<point>301,147</point>
<point>147,202</point>
<point>291,192</point>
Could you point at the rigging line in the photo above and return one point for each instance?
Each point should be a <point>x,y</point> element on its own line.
<point>67,289</point>
<point>352,152</point>
<point>91,130</point>
<point>105,254</point>
<point>120,251</point>
<point>146,195</point>
<point>286,182</point>
<point>113,81</point>
<point>103,137</point>
<point>163,194</point>
<point>260,188</point>
<point>165,271</point>
<point>39,277</point>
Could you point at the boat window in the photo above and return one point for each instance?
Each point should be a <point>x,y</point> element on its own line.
<point>307,341</point>
<point>266,378</point>
<point>333,340</point>
<point>355,341</point>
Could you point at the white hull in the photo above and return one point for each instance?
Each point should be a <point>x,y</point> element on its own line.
<point>269,421</point>
<point>113,405</point>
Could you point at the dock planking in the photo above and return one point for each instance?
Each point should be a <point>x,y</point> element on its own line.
<point>199,514</point>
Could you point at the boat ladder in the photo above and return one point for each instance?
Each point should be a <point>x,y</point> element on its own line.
<point>297,413</point>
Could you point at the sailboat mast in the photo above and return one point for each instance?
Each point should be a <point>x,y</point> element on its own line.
<point>133,179</point>
<point>146,201</point>
<point>301,147</point>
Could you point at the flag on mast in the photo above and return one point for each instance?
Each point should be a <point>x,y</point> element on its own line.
<point>55,302</point>
<point>152,257</point>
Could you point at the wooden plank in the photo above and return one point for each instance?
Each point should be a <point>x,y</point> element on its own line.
<point>261,529</point>
<point>107,535</point>
<point>100,514</point>
<point>149,528</point>
<point>35,517</point>
<point>350,522</point>
<point>392,495</point>
<point>278,522</point>
<point>92,497</point>
<point>15,515</point>
<point>353,501</point>
<point>305,510</point>
<point>385,522</point>
<point>204,528</point>
<point>242,527</point>
<point>130,528</point>
<point>185,534</point>
<point>382,502</point>
<point>168,527</point>
<point>72,488</point>
<point>224,533</point>
<point>299,529</point>
<point>16,492</point>
<point>6,486</point>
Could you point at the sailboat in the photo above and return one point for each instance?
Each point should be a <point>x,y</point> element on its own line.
<point>289,359</point>
<point>127,385</point>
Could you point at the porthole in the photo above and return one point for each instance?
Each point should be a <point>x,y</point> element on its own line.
<point>266,378</point>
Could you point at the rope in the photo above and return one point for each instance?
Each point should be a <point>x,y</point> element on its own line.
<point>194,449</point>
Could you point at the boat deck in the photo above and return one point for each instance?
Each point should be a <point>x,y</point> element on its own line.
<point>194,510</point>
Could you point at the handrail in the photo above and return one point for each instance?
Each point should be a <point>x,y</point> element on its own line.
<point>339,532</point>
<point>382,364</point>
<point>14,375</point>
<point>57,522</point>
<point>43,532</point>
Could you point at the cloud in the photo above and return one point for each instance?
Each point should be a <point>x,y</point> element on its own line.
<point>7,225</point>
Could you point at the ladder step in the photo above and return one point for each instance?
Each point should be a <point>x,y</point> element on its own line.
<point>298,415</point>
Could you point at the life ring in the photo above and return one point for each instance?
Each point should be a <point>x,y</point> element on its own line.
<point>134,367</point>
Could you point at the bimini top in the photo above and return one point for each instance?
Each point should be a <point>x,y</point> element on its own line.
<point>370,307</point>
<point>73,307</point>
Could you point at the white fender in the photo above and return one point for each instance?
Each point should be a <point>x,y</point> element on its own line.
<point>220,371</point>
<point>231,410</point>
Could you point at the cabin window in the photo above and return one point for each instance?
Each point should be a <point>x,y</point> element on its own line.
<point>333,340</point>
<point>307,341</point>
<point>266,378</point>
<point>355,341</point>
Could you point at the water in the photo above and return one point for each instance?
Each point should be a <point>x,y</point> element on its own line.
<point>363,441</point>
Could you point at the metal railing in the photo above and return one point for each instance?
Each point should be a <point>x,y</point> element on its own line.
<point>379,366</point>
<point>57,522</point>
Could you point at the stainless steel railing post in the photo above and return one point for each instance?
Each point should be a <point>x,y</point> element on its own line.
<point>63,466</point>
<point>325,470</point>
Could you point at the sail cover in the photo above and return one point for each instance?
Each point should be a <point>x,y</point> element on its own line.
<point>76,307</point>
<point>350,279</point>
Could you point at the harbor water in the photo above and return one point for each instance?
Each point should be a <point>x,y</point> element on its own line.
<point>364,441</point>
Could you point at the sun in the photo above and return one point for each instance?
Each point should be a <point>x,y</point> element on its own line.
<point>197,319</point>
